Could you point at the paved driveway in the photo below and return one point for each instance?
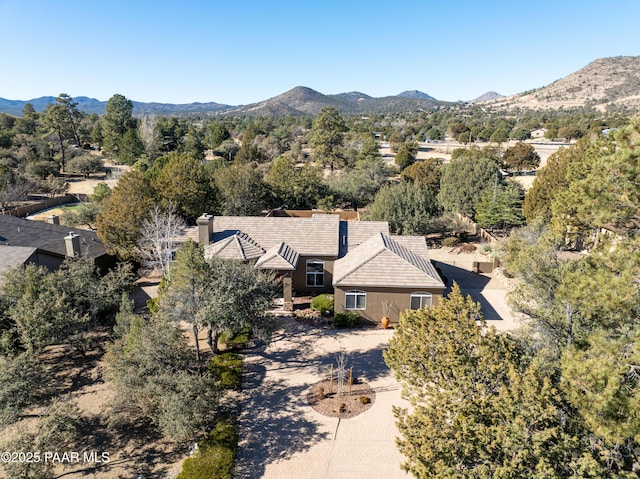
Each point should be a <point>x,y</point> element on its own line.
<point>281,436</point>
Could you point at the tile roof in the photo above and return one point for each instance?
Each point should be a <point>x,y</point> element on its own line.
<point>46,237</point>
<point>386,261</point>
<point>280,257</point>
<point>360,231</point>
<point>315,236</point>
<point>238,246</point>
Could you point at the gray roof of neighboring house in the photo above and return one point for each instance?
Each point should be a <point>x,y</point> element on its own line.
<point>385,261</point>
<point>13,256</point>
<point>46,237</point>
<point>315,236</point>
<point>280,257</point>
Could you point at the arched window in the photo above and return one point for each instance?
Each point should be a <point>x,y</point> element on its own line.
<point>315,273</point>
<point>420,300</point>
<point>355,300</point>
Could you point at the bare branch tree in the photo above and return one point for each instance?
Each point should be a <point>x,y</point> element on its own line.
<point>158,241</point>
<point>341,372</point>
<point>14,192</point>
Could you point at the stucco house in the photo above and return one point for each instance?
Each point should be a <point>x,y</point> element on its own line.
<point>369,270</point>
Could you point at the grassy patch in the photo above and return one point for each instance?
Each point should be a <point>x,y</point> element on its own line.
<point>227,369</point>
<point>216,453</point>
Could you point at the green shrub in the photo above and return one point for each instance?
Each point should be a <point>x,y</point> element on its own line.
<point>216,454</point>
<point>227,369</point>
<point>323,303</point>
<point>450,241</point>
<point>348,319</point>
<point>364,399</point>
<point>236,339</point>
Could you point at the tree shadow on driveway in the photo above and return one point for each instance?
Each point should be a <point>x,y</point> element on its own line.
<point>273,423</point>
<point>471,284</point>
<point>276,421</point>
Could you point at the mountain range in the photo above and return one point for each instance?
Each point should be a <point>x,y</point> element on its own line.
<point>604,83</point>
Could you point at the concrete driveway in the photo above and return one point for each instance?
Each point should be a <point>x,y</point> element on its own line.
<point>486,289</point>
<point>281,436</point>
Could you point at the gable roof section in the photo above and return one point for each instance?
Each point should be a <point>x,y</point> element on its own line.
<point>357,232</point>
<point>13,256</point>
<point>315,236</point>
<point>381,261</point>
<point>238,246</point>
<point>47,237</point>
<point>280,257</point>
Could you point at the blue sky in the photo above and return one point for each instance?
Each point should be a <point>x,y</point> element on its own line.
<point>242,51</point>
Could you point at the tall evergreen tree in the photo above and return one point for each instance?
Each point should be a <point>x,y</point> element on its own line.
<point>327,137</point>
<point>119,130</point>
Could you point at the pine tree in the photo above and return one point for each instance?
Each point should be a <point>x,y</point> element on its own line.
<point>480,406</point>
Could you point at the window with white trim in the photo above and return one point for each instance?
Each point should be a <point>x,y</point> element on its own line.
<point>315,273</point>
<point>355,300</point>
<point>420,300</point>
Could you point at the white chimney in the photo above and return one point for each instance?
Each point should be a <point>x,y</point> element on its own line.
<point>72,243</point>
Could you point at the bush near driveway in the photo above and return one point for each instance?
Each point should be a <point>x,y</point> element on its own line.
<point>323,303</point>
<point>215,457</point>
<point>227,368</point>
<point>346,320</point>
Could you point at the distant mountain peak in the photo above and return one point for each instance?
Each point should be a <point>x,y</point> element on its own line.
<point>415,94</point>
<point>353,96</point>
<point>488,96</point>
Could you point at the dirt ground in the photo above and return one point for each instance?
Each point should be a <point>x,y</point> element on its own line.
<point>82,186</point>
<point>132,452</point>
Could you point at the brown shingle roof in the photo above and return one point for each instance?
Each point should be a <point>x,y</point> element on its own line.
<point>384,262</point>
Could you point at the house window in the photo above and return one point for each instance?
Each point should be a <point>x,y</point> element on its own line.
<point>315,273</point>
<point>355,300</point>
<point>420,300</point>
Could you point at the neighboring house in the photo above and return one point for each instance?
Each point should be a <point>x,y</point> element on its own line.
<point>368,270</point>
<point>13,256</point>
<point>49,243</point>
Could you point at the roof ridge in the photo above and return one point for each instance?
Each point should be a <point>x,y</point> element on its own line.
<point>411,256</point>
<point>241,235</point>
<point>370,258</point>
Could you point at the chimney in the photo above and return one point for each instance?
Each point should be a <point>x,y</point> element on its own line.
<point>205,229</point>
<point>72,242</point>
<point>53,219</point>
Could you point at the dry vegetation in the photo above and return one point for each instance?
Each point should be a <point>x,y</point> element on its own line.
<point>132,451</point>
<point>607,81</point>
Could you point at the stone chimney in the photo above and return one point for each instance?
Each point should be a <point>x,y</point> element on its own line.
<point>53,219</point>
<point>72,242</point>
<point>205,229</point>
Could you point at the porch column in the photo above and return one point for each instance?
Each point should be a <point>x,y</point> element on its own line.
<point>287,291</point>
